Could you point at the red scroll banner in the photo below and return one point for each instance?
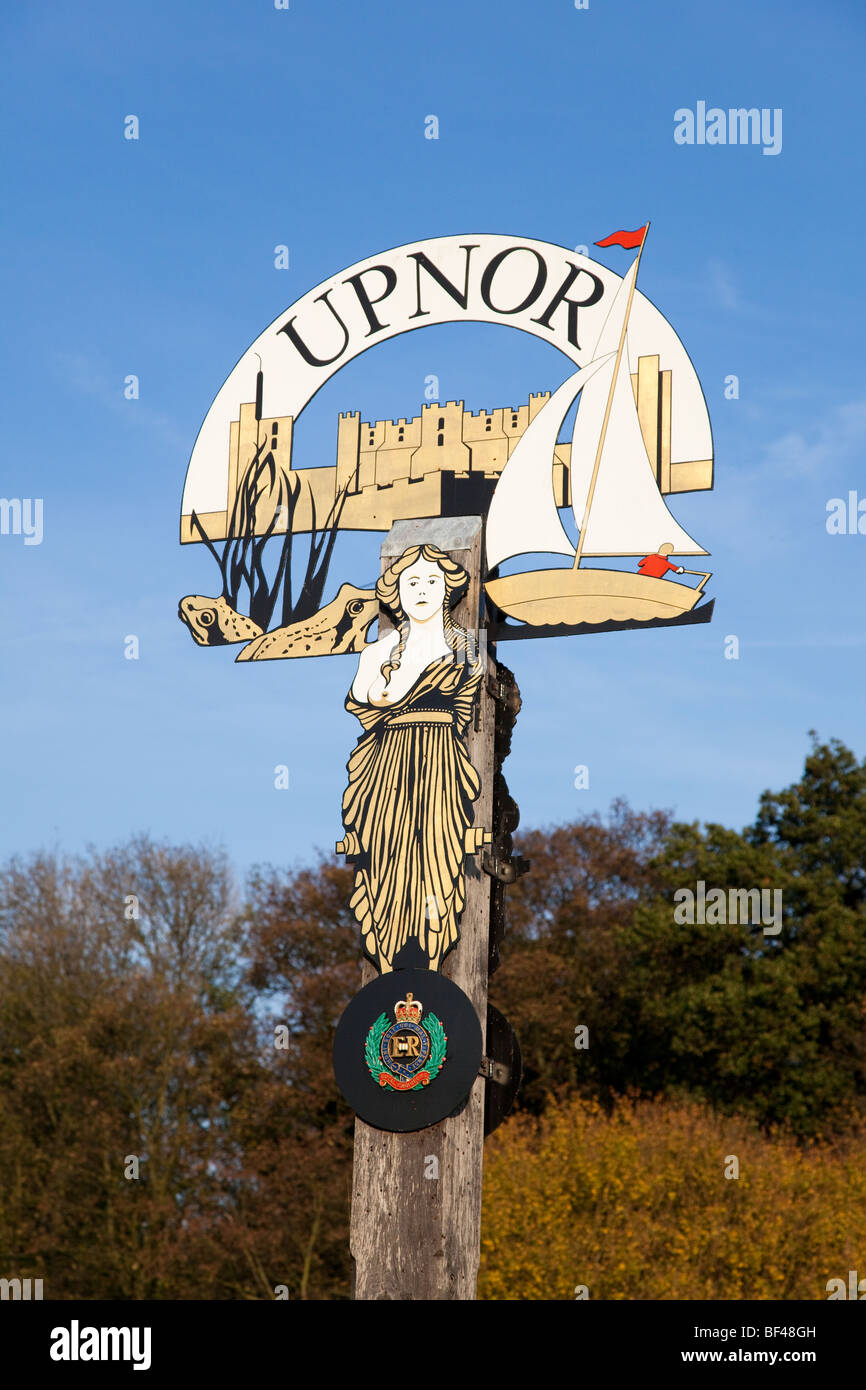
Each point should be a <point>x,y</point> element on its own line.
<point>386,1079</point>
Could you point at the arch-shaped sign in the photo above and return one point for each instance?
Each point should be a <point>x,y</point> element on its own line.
<point>554,293</point>
<point>641,431</point>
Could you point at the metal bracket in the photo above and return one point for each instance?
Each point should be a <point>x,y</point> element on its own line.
<point>503,689</point>
<point>505,870</point>
<point>494,1071</point>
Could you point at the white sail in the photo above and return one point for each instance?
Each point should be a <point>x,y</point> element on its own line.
<point>628,515</point>
<point>608,338</point>
<point>522,518</point>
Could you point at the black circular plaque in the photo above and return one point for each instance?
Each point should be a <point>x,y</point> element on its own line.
<point>503,1050</point>
<point>407,1050</point>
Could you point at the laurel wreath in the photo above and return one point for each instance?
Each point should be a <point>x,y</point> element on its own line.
<point>371,1047</point>
<point>438,1046</point>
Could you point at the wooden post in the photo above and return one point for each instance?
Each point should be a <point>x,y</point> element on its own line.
<point>415,1235</point>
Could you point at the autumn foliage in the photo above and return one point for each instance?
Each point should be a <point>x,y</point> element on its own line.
<point>170,1127</point>
<point>643,1204</point>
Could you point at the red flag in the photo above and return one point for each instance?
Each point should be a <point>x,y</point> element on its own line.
<point>629,240</point>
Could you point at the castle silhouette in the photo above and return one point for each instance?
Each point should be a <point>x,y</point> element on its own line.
<point>443,462</point>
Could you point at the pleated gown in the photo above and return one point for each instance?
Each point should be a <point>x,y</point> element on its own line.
<point>409,802</point>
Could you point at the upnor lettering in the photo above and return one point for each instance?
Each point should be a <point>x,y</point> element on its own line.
<point>326,336</point>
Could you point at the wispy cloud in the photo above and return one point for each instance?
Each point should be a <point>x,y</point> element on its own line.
<point>88,378</point>
<point>844,640</point>
<point>838,438</point>
<point>724,286</point>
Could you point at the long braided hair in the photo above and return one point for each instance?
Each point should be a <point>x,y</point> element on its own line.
<point>388,593</point>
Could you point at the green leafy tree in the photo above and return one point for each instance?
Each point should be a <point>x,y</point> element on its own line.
<point>770,1024</point>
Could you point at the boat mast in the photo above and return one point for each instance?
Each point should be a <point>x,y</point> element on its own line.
<point>619,352</point>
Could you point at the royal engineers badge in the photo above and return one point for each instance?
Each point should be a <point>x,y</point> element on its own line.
<point>408,1054</point>
<point>403,1064</point>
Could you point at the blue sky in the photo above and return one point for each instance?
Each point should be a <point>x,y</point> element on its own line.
<point>306,127</point>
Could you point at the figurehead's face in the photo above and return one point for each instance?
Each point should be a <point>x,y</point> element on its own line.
<point>422,590</point>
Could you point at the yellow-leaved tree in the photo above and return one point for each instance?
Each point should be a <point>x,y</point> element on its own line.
<point>643,1204</point>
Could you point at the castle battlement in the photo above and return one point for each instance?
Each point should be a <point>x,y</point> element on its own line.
<point>427,464</point>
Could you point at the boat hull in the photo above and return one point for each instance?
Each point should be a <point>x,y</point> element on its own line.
<point>572,596</point>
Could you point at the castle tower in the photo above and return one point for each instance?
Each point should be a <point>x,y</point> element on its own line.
<point>247,435</point>
<point>442,445</point>
<point>348,450</point>
<point>487,440</point>
<point>402,438</point>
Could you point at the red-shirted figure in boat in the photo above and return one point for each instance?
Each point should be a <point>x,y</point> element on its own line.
<point>657,566</point>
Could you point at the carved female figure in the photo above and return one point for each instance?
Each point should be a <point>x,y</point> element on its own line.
<point>407,810</point>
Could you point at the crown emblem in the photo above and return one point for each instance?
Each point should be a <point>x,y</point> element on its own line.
<point>408,1010</point>
<point>407,1054</point>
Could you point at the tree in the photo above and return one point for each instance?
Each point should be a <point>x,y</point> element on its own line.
<point>665,1199</point>
<point>126,1044</point>
<point>766,1022</point>
<point>563,962</point>
<point>304,965</point>
<point>148,1013</point>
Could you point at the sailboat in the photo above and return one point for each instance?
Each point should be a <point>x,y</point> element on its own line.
<point>617,505</point>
